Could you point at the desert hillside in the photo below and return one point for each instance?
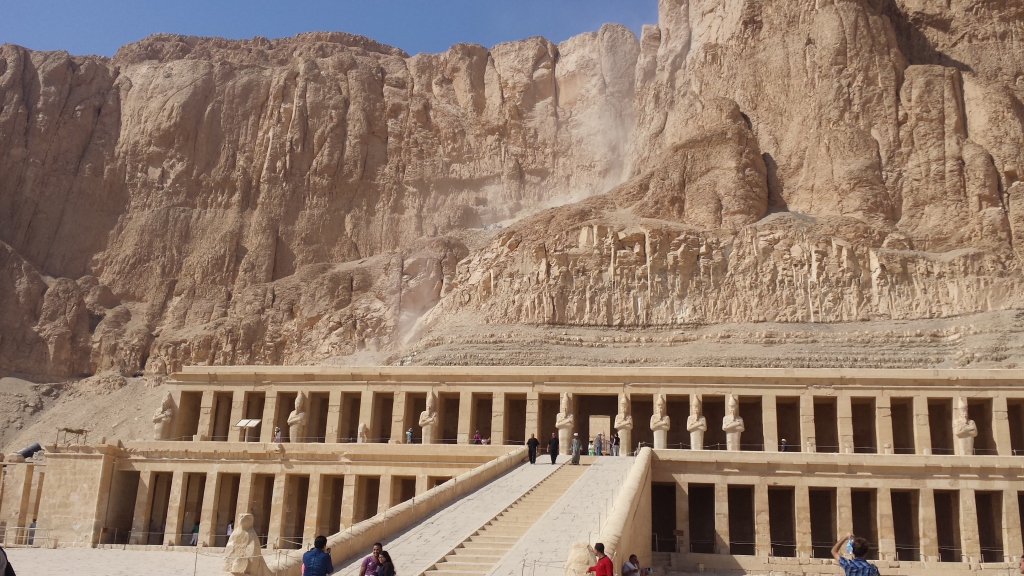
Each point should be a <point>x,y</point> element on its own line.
<point>773,170</point>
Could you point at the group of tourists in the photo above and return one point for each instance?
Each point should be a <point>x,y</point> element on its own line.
<point>317,561</point>
<point>596,447</point>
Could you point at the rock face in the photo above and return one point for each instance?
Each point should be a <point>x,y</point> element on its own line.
<point>198,200</point>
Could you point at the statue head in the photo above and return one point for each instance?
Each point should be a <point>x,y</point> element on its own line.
<point>961,408</point>
<point>300,402</point>
<point>695,405</point>
<point>431,398</point>
<point>659,404</point>
<point>245,522</point>
<point>168,401</point>
<point>734,404</point>
<point>563,405</point>
<point>623,404</point>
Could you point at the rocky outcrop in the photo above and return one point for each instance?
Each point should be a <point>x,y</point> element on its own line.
<point>201,200</point>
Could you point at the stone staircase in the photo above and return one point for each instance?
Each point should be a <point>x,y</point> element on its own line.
<point>476,555</point>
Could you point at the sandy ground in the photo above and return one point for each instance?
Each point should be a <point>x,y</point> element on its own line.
<point>92,562</point>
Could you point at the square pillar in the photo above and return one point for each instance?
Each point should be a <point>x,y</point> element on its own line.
<point>533,416</point>
<point>175,510</point>
<point>384,496</point>
<point>143,504</point>
<point>1012,543</point>
<point>244,503</point>
<point>721,518</point>
<point>927,525</point>
<point>398,423</point>
<point>922,433</point>
<point>269,416</point>
<point>683,517</point>
<point>466,410</point>
<point>769,423</point>
<point>1001,430</point>
<point>348,501</point>
<point>334,417</point>
<point>421,484</point>
<point>206,416</point>
<point>277,507</point>
<point>762,525</point>
<point>208,515</point>
<point>366,412</point>
<point>808,443</point>
<point>498,418</point>
<point>313,508</point>
<point>844,414</point>
<point>883,425</point>
<point>802,505</point>
<point>844,511</point>
<point>886,528</point>
<point>237,413</point>
<point>970,545</point>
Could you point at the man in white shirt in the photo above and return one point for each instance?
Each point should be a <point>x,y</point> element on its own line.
<point>631,567</point>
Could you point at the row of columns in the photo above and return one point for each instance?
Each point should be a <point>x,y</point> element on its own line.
<point>174,530</point>
<point>927,524</point>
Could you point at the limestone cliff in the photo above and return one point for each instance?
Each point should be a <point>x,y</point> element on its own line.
<point>200,200</point>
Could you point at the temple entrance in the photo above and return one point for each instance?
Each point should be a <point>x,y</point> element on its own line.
<point>598,411</point>
<point>515,419</point>
<point>678,409</point>
<point>415,404</point>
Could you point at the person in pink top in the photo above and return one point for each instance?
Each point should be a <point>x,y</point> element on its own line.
<point>371,562</point>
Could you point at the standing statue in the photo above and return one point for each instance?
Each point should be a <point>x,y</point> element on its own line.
<point>660,422</point>
<point>564,422</point>
<point>732,424</point>
<point>624,424</point>
<point>242,555</point>
<point>297,420</point>
<point>964,429</point>
<point>164,418</point>
<point>696,424</point>
<point>363,434</point>
<point>428,419</point>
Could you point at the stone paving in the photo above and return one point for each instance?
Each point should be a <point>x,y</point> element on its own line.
<point>575,517</point>
<point>98,562</point>
<point>416,549</point>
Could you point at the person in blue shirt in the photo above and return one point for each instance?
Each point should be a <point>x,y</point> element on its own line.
<point>317,562</point>
<point>856,566</point>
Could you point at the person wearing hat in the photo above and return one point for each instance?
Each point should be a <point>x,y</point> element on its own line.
<point>5,567</point>
<point>783,447</point>
<point>277,435</point>
<point>576,447</point>
<point>408,436</point>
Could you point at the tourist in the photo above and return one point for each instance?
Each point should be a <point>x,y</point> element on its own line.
<point>590,447</point>
<point>195,534</point>
<point>5,567</point>
<point>408,436</point>
<point>783,447</point>
<point>277,435</point>
<point>553,447</point>
<point>614,441</point>
<point>231,528</point>
<point>32,532</point>
<point>631,567</point>
<point>532,444</point>
<point>387,567</point>
<point>856,566</point>
<point>597,445</point>
<point>317,562</point>
<point>604,563</point>
<point>371,562</point>
<point>477,438</point>
<point>575,447</point>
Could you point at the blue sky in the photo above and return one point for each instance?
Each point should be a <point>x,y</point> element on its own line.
<point>101,26</point>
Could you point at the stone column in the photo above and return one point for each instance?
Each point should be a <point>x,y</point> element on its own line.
<point>348,501</point>
<point>313,508</point>
<point>927,525</point>
<point>208,514</point>
<point>808,442</point>
<point>683,517</point>
<point>844,413</point>
<point>236,434</point>
<point>721,518</point>
<point>176,510</point>
<point>398,423</point>
<point>802,506</point>
<point>366,415</point>
<point>334,417</point>
<point>970,546</point>
<point>205,431</point>
<point>269,417</point>
<point>384,495</point>
<point>762,524</point>
<point>1012,543</point>
<point>1001,429</point>
<point>279,500</point>
<point>143,505</point>
<point>466,412</point>
<point>844,511</point>
<point>498,418</point>
<point>421,484</point>
<point>886,529</point>
<point>660,422</point>
<point>533,417</point>
<point>770,423</point>
<point>922,433</point>
<point>883,424</point>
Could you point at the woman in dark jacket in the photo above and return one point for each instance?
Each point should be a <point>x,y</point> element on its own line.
<point>7,570</point>
<point>386,567</point>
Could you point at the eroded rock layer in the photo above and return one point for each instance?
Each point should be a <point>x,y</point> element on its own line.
<point>200,200</point>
